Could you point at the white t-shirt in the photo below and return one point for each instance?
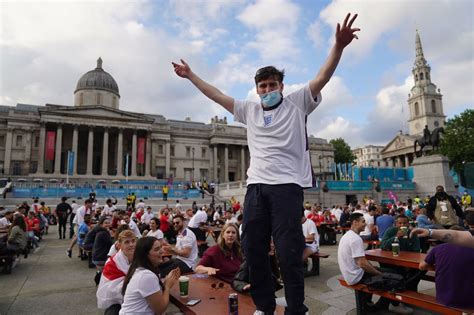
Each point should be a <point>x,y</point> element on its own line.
<point>158,234</point>
<point>79,217</point>
<point>146,217</point>
<point>187,239</point>
<point>197,219</point>
<point>74,207</point>
<point>369,223</point>
<point>140,205</point>
<point>309,227</point>
<point>4,222</point>
<point>133,226</point>
<point>277,139</point>
<point>351,246</point>
<point>108,211</point>
<point>142,284</point>
<point>337,214</point>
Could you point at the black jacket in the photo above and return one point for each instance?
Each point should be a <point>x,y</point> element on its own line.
<point>431,206</point>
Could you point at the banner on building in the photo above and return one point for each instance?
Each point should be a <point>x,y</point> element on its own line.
<point>70,162</point>
<point>50,142</point>
<point>141,151</point>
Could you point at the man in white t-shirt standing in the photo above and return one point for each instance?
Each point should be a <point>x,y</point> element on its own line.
<point>78,219</point>
<point>279,169</point>
<point>355,268</point>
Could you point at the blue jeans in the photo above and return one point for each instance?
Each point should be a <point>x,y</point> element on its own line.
<point>274,211</point>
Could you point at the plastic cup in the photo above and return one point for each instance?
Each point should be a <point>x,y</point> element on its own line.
<point>395,249</point>
<point>183,286</point>
<point>404,229</point>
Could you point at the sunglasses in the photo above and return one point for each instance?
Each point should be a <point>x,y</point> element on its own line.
<point>219,285</point>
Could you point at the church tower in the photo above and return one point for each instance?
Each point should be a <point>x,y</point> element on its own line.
<point>425,100</point>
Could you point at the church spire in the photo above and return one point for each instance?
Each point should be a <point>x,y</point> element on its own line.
<point>420,58</point>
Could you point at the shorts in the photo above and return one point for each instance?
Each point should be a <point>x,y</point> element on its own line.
<point>313,247</point>
<point>76,229</point>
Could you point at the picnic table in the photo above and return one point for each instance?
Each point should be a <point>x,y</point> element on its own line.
<point>404,258</point>
<point>213,300</point>
<point>214,231</point>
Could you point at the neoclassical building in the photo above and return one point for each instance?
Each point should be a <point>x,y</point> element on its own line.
<point>425,104</point>
<point>95,139</point>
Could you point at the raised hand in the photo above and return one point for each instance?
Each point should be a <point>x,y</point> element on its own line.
<point>345,34</point>
<point>183,70</point>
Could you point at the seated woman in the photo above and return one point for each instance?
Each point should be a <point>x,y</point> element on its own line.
<point>109,293</point>
<point>33,229</point>
<point>143,291</point>
<point>154,229</point>
<point>16,241</point>
<point>223,259</point>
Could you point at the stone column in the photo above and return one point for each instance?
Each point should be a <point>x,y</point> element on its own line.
<point>242,163</point>
<point>120,153</point>
<point>215,163</point>
<point>105,153</point>
<point>57,156</point>
<point>134,154</point>
<point>27,165</point>
<point>8,152</point>
<point>226,164</point>
<point>167,160</point>
<point>407,161</point>
<point>41,145</point>
<point>75,137</point>
<point>90,148</point>
<point>148,155</point>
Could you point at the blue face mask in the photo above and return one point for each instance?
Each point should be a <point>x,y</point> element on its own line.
<point>271,98</point>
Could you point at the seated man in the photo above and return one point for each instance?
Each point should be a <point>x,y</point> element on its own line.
<point>355,268</point>
<point>311,236</point>
<point>454,286</point>
<point>186,249</point>
<point>408,243</point>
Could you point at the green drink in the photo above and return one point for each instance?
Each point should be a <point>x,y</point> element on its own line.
<point>183,286</point>
<point>395,249</point>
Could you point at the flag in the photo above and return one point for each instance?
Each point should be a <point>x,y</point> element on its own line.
<point>70,162</point>
<point>50,143</point>
<point>141,151</point>
<point>351,176</point>
<point>109,291</point>
<point>339,169</point>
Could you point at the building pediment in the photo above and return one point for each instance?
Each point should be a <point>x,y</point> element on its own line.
<point>400,143</point>
<point>93,112</point>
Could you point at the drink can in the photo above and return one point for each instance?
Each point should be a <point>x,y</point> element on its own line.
<point>233,304</point>
<point>395,249</point>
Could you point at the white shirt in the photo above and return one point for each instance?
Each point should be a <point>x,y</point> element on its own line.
<point>79,217</point>
<point>4,222</point>
<point>140,205</point>
<point>338,213</point>
<point>187,239</point>
<point>277,139</point>
<point>74,207</point>
<point>142,284</point>
<point>369,223</point>
<point>133,226</point>
<point>216,216</point>
<point>107,211</point>
<point>157,234</point>
<point>309,227</point>
<point>146,217</point>
<point>350,247</point>
<point>197,219</point>
<point>231,220</point>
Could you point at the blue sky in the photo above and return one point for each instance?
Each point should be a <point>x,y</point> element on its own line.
<point>47,46</point>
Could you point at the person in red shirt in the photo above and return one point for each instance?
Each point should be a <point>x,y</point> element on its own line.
<point>314,215</point>
<point>32,228</point>
<point>223,259</point>
<point>165,225</point>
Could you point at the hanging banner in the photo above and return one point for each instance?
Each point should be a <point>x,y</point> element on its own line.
<point>50,142</point>
<point>70,162</point>
<point>141,151</point>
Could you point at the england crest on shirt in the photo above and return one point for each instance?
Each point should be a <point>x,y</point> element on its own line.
<point>267,120</point>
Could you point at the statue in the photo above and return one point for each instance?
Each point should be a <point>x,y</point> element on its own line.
<point>428,138</point>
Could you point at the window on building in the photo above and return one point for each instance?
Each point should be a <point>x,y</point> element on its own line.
<point>160,172</point>
<point>33,167</point>
<point>98,99</point>
<point>188,151</point>
<point>187,173</point>
<point>171,150</point>
<point>231,155</point>
<point>19,141</point>
<point>173,172</point>
<point>114,101</point>
<point>17,168</point>
<point>37,141</point>
<point>203,173</point>
<point>2,142</point>
<point>203,153</point>
<point>416,77</point>
<point>427,75</point>
<point>160,149</point>
<point>417,109</point>
<point>421,76</point>
<point>433,106</point>
<point>81,99</point>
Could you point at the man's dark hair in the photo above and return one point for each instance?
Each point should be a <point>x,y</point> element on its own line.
<point>63,199</point>
<point>470,218</point>
<point>372,208</point>
<point>88,201</point>
<point>385,210</point>
<point>402,216</point>
<point>269,72</point>
<point>179,216</point>
<point>355,216</point>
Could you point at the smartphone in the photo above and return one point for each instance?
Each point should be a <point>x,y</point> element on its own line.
<point>193,302</point>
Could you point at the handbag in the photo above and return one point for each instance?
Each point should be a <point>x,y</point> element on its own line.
<point>387,281</point>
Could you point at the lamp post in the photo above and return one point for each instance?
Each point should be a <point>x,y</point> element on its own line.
<point>192,172</point>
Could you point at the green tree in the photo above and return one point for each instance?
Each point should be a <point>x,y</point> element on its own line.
<point>343,153</point>
<point>457,143</point>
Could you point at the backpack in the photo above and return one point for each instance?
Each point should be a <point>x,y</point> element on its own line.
<point>386,282</point>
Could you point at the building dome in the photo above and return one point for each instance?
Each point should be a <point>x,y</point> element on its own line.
<point>98,79</point>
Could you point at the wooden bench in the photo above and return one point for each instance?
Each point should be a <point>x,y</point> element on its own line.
<point>315,260</point>
<point>418,299</point>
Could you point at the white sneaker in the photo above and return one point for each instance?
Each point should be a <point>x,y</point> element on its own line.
<point>400,309</point>
<point>257,312</point>
<point>15,262</point>
<point>36,249</point>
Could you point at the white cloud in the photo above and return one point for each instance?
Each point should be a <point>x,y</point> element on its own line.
<point>315,34</point>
